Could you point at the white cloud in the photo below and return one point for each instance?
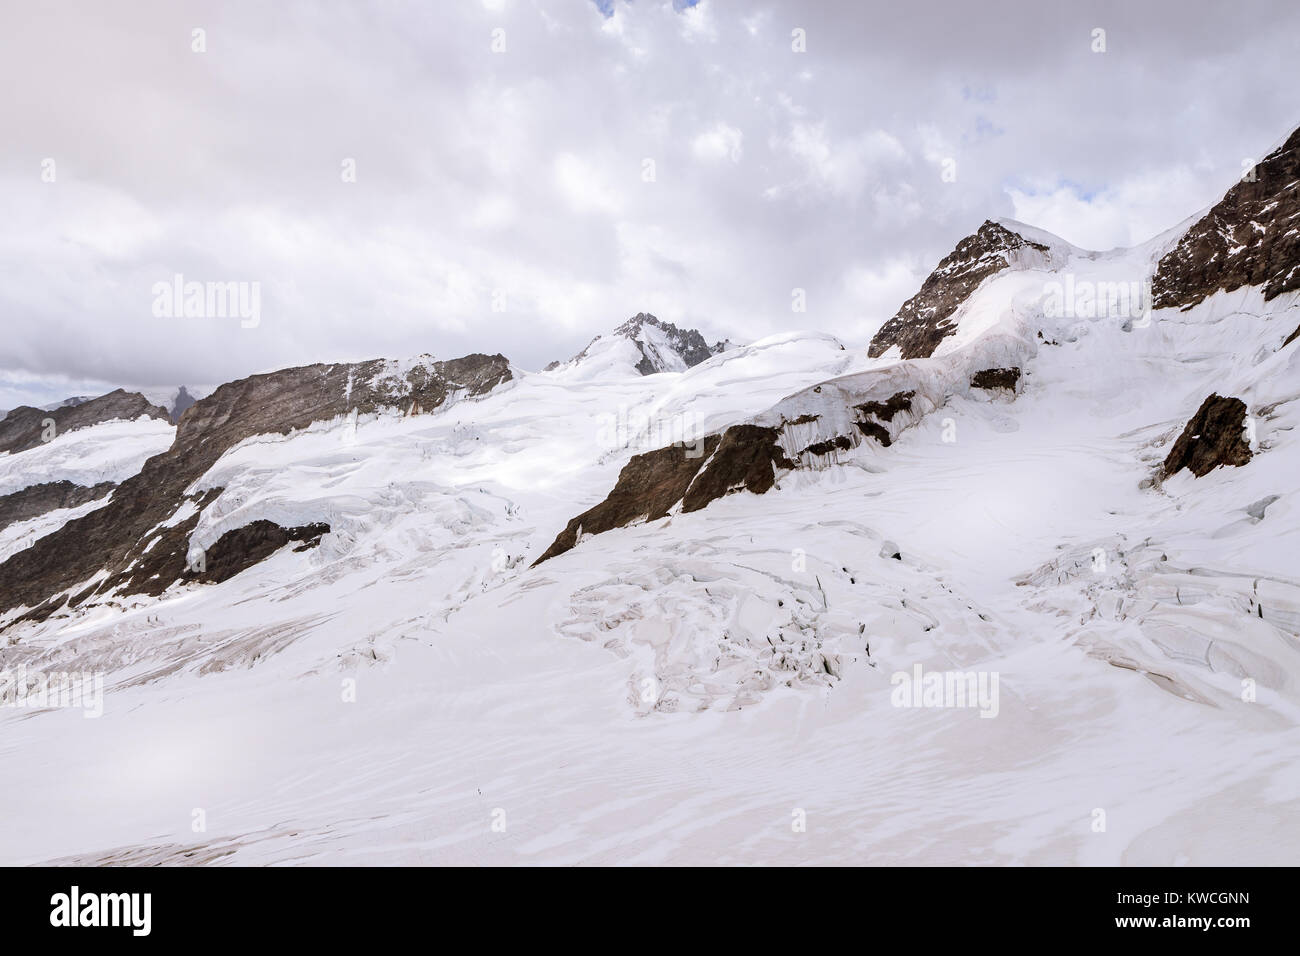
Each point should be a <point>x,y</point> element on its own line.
<point>522,171</point>
<point>584,185</point>
<point>875,292</point>
<point>494,212</point>
<point>843,167</point>
<point>697,23</point>
<point>1136,209</point>
<point>758,22</point>
<point>722,142</point>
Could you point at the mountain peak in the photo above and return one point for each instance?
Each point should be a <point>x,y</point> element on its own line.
<point>183,401</point>
<point>926,319</point>
<point>633,326</point>
<point>656,346</point>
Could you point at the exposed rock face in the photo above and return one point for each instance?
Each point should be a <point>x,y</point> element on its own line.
<point>991,378</point>
<point>886,410</point>
<point>36,500</point>
<point>244,547</point>
<point>24,426</point>
<point>114,538</point>
<point>1250,238</point>
<point>747,457</point>
<point>663,346</point>
<point>689,344</point>
<point>1215,436</point>
<point>924,320</point>
<point>744,457</point>
<point>838,443</point>
<point>647,487</point>
<point>874,413</point>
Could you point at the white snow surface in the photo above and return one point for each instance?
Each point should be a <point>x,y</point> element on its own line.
<point>21,535</point>
<point>109,451</point>
<point>679,691</point>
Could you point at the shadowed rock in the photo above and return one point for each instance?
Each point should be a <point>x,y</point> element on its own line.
<point>183,401</point>
<point>991,378</point>
<point>1215,436</point>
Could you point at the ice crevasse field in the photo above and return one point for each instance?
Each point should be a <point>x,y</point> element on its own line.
<point>718,686</point>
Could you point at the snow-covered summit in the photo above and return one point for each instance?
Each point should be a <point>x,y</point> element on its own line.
<point>646,345</point>
<point>928,317</point>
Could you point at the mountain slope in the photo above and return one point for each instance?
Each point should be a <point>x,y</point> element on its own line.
<point>593,616</point>
<point>128,547</point>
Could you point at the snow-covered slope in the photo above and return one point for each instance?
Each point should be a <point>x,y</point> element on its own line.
<point>24,428</point>
<point>44,487</point>
<point>695,669</point>
<point>110,451</point>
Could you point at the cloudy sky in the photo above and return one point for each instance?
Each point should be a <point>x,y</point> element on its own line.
<point>518,175</point>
